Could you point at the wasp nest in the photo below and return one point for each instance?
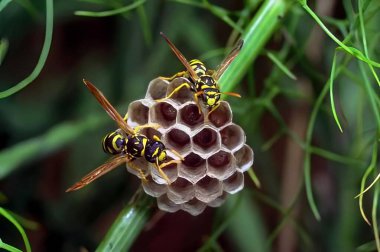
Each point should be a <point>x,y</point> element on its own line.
<point>215,153</point>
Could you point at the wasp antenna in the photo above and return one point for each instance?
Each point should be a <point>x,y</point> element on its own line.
<point>231,94</point>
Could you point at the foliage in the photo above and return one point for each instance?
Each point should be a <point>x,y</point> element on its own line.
<point>310,90</point>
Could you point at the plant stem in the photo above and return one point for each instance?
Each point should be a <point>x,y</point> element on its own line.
<point>128,224</point>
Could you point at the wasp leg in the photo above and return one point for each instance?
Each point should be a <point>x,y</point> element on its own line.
<point>197,101</point>
<point>149,125</point>
<point>163,175</point>
<point>180,74</point>
<point>142,175</point>
<point>177,154</point>
<point>213,109</point>
<point>175,91</point>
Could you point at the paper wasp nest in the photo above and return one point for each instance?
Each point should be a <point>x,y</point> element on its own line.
<point>215,153</point>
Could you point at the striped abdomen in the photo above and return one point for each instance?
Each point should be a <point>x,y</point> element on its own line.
<point>114,143</point>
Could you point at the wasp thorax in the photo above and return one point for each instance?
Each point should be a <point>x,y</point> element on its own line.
<point>214,151</point>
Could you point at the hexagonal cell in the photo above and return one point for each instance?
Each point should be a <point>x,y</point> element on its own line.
<point>233,137</point>
<point>138,112</point>
<point>157,89</point>
<point>244,158</point>
<point>208,189</point>
<point>163,113</point>
<point>218,201</point>
<point>182,95</point>
<point>171,171</point>
<point>177,139</point>
<point>189,115</point>
<point>234,183</point>
<point>206,140</point>
<point>139,163</point>
<point>222,115</point>
<point>181,191</point>
<point>194,207</point>
<point>193,168</point>
<point>153,189</point>
<point>221,165</point>
<point>165,204</point>
<point>151,132</point>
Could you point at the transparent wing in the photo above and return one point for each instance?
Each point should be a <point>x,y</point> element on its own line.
<point>227,61</point>
<point>182,58</point>
<point>111,111</point>
<point>108,166</point>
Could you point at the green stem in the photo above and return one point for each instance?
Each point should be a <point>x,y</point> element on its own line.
<point>256,35</point>
<point>44,53</point>
<point>128,224</point>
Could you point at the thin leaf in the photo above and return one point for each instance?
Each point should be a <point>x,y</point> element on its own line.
<point>43,56</point>
<point>108,13</point>
<point>3,49</point>
<point>280,65</point>
<point>332,77</point>
<point>20,229</point>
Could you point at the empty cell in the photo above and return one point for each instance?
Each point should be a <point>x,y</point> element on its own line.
<point>178,139</point>
<point>138,113</point>
<point>190,116</point>
<point>193,168</point>
<point>165,204</point>
<point>194,207</point>
<point>164,114</point>
<point>244,158</point>
<point>208,189</point>
<point>234,183</point>
<point>218,201</point>
<point>152,188</point>
<point>222,115</point>
<point>182,95</point>
<point>221,165</point>
<point>180,191</point>
<point>206,140</point>
<point>222,158</point>
<point>157,89</point>
<point>233,137</point>
<point>151,132</point>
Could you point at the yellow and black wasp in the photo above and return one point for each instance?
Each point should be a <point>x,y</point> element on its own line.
<point>203,81</point>
<point>126,144</point>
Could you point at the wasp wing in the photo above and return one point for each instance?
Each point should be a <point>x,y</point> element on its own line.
<point>182,58</point>
<point>108,166</point>
<point>227,61</point>
<point>111,111</point>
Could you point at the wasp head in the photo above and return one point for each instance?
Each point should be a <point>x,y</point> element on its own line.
<point>155,150</point>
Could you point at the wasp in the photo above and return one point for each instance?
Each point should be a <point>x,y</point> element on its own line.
<point>202,81</point>
<point>126,144</point>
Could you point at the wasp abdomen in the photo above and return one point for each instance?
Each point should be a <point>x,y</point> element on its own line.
<point>113,143</point>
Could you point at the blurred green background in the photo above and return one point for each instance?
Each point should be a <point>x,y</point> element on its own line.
<point>309,171</point>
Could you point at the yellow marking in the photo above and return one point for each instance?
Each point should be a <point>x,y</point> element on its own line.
<point>114,140</point>
<point>210,101</point>
<point>162,156</point>
<point>144,141</point>
<point>155,152</point>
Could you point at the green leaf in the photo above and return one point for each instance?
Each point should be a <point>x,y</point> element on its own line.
<point>43,56</point>
<point>108,13</point>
